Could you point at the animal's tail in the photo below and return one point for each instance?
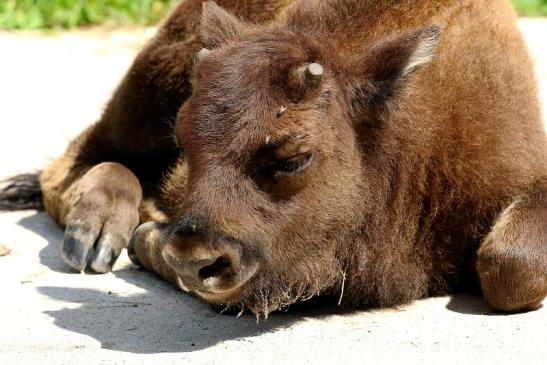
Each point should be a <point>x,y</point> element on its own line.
<point>22,192</point>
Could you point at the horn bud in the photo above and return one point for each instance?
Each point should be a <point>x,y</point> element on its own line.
<point>304,80</point>
<point>204,52</point>
<point>313,74</point>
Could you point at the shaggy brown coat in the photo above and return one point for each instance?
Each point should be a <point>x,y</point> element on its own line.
<point>377,151</point>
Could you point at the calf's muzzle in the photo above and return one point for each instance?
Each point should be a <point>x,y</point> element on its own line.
<point>213,267</point>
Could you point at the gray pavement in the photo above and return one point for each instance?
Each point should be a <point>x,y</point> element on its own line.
<point>51,87</point>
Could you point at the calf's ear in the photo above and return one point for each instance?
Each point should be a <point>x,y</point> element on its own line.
<point>390,63</point>
<point>218,26</point>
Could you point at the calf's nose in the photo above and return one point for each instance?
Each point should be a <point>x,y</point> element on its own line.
<point>202,269</point>
<point>211,267</point>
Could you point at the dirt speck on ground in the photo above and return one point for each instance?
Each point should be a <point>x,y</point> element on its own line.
<point>4,251</point>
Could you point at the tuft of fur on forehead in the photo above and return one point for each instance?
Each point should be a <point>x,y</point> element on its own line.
<point>243,85</point>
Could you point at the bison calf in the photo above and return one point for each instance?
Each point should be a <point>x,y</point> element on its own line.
<point>376,151</point>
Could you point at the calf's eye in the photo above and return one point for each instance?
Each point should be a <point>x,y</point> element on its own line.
<point>291,165</point>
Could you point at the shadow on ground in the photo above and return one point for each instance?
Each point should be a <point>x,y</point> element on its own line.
<point>474,304</point>
<point>469,303</point>
<point>41,224</point>
<point>155,317</point>
<point>161,320</point>
<point>158,318</point>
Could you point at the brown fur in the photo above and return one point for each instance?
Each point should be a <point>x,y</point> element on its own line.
<point>424,138</point>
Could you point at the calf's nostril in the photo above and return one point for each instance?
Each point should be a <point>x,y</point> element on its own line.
<point>218,267</point>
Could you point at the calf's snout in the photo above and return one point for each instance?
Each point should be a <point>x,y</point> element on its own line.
<point>205,265</point>
<point>213,267</point>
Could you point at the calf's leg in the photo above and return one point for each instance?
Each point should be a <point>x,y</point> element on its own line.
<point>94,189</point>
<point>99,212</point>
<point>512,260</point>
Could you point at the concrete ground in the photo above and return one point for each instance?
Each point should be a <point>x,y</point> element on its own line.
<point>50,88</point>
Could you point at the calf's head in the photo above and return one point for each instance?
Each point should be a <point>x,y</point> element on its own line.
<point>276,190</point>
